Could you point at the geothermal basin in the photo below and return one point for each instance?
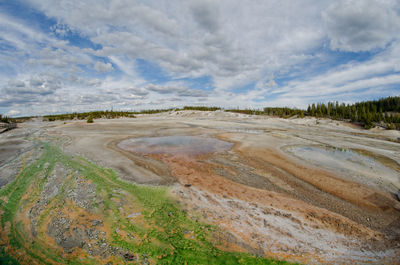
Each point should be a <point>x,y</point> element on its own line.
<point>303,190</point>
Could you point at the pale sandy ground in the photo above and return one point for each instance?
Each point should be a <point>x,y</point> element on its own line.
<point>270,201</point>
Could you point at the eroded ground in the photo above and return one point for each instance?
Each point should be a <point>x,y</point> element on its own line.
<point>301,190</point>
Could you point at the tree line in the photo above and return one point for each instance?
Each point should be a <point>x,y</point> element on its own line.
<point>6,119</point>
<point>384,112</point>
<point>118,114</point>
<point>201,108</point>
<point>92,114</point>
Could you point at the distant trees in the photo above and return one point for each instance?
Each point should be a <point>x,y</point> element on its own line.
<point>90,119</point>
<point>153,111</point>
<point>284,112</point>
<point>6,119</point>
<point>201,108</point>
<point>93,114</point>
<point>385,112</point>
<point>246,111</point>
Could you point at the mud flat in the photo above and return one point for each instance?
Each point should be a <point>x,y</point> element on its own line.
<point>297,189</point>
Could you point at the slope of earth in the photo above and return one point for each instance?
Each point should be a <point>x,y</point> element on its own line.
<point>66,210</point>
<point>302,190</point>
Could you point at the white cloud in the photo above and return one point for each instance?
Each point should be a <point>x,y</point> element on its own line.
<point>103,67</point>
<point>361,25</point>
<point>13,112</point>
<point>206,14</point>
<point>224,39</point>
<point>382,70</point>
<point>135,92</point>
<point>163,89</point>
<point>61,29</point>
<point>176,89</point>
<point>11,27</point>
<point>42,85</point>
<point>235,43</point>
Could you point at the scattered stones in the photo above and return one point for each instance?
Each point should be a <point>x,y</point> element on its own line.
<point>60,230</point>
<point>92,233</point>
<point>83,193</point>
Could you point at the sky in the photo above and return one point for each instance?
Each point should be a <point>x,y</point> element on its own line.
<point>61,56</point>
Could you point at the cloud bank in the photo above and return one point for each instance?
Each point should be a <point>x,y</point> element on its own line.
<point>63,56</point>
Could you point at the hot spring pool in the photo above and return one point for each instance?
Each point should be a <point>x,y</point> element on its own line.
<point>175,145</point>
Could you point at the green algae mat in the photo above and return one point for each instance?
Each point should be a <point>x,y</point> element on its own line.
<point>63,209</point>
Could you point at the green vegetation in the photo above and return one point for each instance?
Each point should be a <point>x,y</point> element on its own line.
<point>153,111</point>
<point>93,114</point>
<point>164,233</point>
<point>118,114</point>
<point>201,108</point>
<point>384,112</point>
<point>6,259</point>
<point>277,112</point>
<point>284,112</point>
<point>90,119</point>
<point>247,111</point>
<point>6,119</point>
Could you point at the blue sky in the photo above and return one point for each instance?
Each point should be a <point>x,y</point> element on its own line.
<point>68,55</point>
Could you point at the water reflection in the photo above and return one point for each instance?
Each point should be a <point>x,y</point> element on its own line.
<point>351,164</point>
<point>175,145</point>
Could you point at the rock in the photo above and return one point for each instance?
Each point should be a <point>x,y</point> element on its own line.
<point>92,233</point>
<point>97,222</point>
<point>132,215</point>
<point>129,256</point>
